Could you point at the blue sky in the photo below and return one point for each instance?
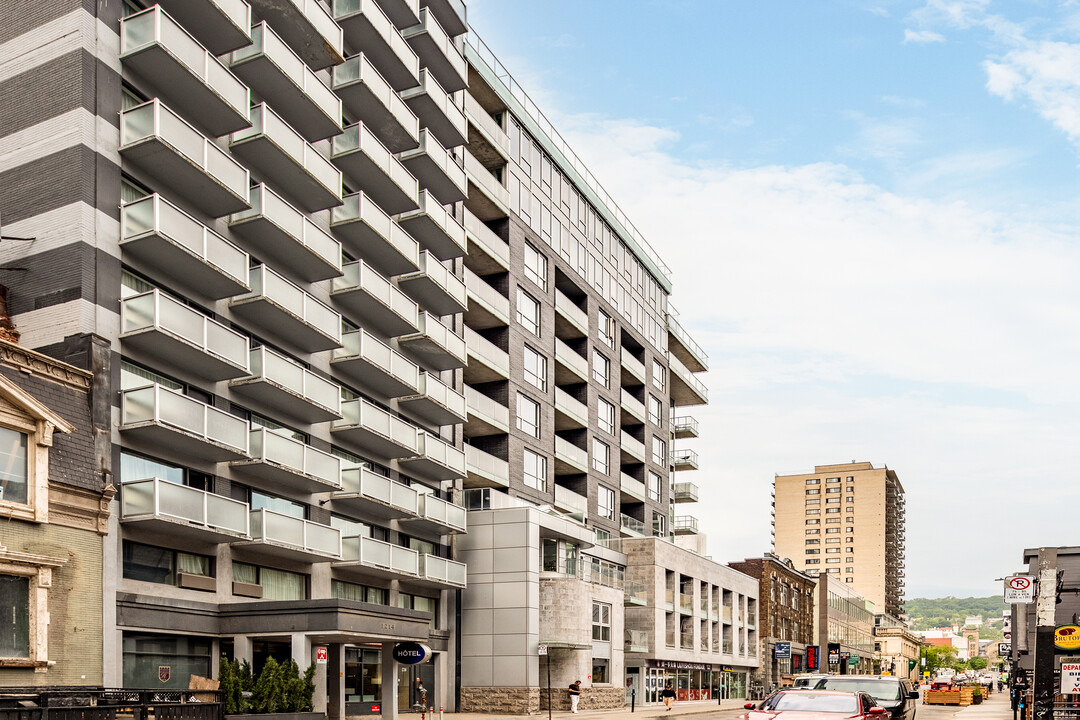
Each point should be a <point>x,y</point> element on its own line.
<point>871,213</point>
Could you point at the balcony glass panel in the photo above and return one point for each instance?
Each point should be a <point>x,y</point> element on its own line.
<point>359,69</point>
<point>298,456</point>
<point>296,20</point>
<point>441,452</point>
<point>368,484</point>
<point>380,554</point>
<point>279,370</point>
<point>488,351</point>
<point>488,241</point>
<point>361,275</point>
<point>572,453</point>
<point>370,416</point>
<point>365,345</point>
<point>681,372</point>
<point>443,570</point>
<point>480,404</point>
<point>158,498</point>
<point>632,524</point>
<point>442,512</point>
<point>154,403</point>
<point>487,125</point>
<point>489,296</point>
<point>269,526</point>
<point>566,307</point>
<point>154,309</point>
<point>486,465</point>
<point>442,393</point>
<point>359,209</point>
<point>265,282</point>
<point>483,179</point>
<point>442,335</point>
<point>359,138</point>
<point>265,203</point>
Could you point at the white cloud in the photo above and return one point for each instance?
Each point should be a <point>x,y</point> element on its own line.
<point>922,37</point>
<point>1048,75</point>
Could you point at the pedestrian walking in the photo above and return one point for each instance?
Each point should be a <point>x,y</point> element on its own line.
<point>575,695</point>
<point>668,695</point>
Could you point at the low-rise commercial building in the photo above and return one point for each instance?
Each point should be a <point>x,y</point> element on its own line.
<point>845,628</point>
<point>896,648</point>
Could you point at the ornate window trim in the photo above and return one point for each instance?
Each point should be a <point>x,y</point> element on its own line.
<point>38,568</point>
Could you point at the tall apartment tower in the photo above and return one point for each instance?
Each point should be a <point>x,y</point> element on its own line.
<point>846,521</point>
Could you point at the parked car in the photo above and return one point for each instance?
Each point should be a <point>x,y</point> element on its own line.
<point>809,681</point>
<point>815,705</point>
<point>895,694</point>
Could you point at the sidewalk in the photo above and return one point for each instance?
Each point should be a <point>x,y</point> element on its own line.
<point>994,707</point>
<point>680,709</point>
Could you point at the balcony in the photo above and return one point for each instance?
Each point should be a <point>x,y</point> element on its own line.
<point>632,488</point>
<point>308,28</point>
<point>631,526</point>
<point>488,198</point>
<point>685,492</point>
<point>437,52</point>
<point>485,416</point>
<point>374,103</point>
<point>434,287</point>
<point>437,111</point>
<point>438,460</point>
<point>684,525</point>
<point>487,307</point>
<point>686,389</point>
<point>569,412</point>
<point>682,346</point>
<point>442,572</point>
<point>684,460</point>
<point>569,458</point>
<point>159,235</point>
<point>683,427</point>
<point>568,501</point>
<point>183,72</point>
<point>487,362</point>
<point>159,416</point>
<point>375,495</point>
<point>287,160</point>
<point>434,227</point>
<point>157,141</point>
<point>284,310</point>
<point>633,370</point>
<point>181,512</point>
<point>275,230</point>
<point>368,232</point>
<point>487,138</point>
<point>438,516</point>
<point>437,402</point>
<point>367,162</point>
<point>633,410</point>
<point>372,33</point>
<point>369,297</point>
<point>636,641</point>
<point>278,383</point>
<point>403,13</point>
<point>435,344</point>
<point>437,171</point>
<point>369,427</point>
<point>167,330</point>
<point>488,254</point>
<point>219,25</point>
<point>374,364</point>
<point>278,536</point>
<point>570,368</point>
<point>363,557</point>
<point>450,13</point>
<point>635,593</point>
<point>570,320</point>
<point>279,76</point>
<point>285,465</point>
<point>631,449</point>
<point>484,470</point>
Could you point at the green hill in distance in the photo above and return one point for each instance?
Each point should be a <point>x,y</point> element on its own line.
<point>928,613</point>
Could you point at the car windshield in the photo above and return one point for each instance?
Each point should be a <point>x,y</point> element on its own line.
<point>887,690</point>
<point>812,702</point>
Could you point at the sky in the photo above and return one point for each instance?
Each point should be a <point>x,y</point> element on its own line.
<point>871,214</point>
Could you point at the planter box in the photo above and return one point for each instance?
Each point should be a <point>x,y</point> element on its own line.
<point>278,716</point>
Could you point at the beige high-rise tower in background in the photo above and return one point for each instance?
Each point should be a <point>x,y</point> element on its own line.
<point>847,521</point>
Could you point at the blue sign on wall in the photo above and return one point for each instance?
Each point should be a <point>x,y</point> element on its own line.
<point>411,653</point>
<point>783,650</point>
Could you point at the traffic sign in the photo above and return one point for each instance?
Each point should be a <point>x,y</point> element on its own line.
<point>1004,649</point>
<point>320,655</point>
<point>541,650</point>
<point>1019,589</point>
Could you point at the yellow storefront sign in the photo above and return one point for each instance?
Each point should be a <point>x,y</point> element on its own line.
<point>1067,637</point>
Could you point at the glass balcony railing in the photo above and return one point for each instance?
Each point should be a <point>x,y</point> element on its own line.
<point>483,179</point>
<point>632,405</point>
<point>441,453</point>
<point>486,239</point>
<point>685,459</point>
<point>369,232</point>
<point>367,161</point>
<point>271,527</point>
<point>439,110</point>
<point>571,454</point>
<point>376,353</point>
<point>684,426</point>
<point>577,317</point>
<point>486,469</point>
<point>686,603</point>
<point>298,21</point>
<point>438,52</point>
<point>690,350</point>
<point>487,352</point>
<point>220,25</point>
<point>285,309</point>
<point>635,593</point>
<point>369,29</point>
<point>371,417</point>
<point>438,391</point>
<point>443,571</point>
<point>365,283</point>
<point>372,486</point>
<point>632,524</point>
<point>495,303</point>
<point>442,512</point>
<point>270,366</point>
<point>568,357</point>
<point>490,410</point>
<point>633,487</point>
<point>489,128</point>
<point>367,94</point>
<point>157,498</point>
<point>436,169</point>
<point>450,298</point>
<point>297,457</point>
<point>379,554</point>
<point>571,407</point>
<point>631,445</point>
<point>633,365</point>
<point>637,641</point>
<point>680,372</point>
<point>160,406</point>
<point>451,348</point>
<point>569,501</point>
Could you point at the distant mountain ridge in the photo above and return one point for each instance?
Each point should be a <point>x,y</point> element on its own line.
<point>936,612</point>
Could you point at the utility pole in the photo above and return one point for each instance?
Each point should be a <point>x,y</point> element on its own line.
<point>1045,622</point>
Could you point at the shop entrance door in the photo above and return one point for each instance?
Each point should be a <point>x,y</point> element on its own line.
<point>654,685</point>
<point>633,684</point>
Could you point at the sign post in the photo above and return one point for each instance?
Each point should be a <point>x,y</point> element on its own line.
<point>1045,636</point>
<point>543,650</point>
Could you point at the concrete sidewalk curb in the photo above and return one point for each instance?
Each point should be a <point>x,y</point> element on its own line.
<point>685,709</point>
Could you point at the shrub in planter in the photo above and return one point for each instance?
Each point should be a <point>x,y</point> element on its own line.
<point>278,689</point>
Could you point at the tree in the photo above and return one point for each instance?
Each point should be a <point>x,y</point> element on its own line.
<point>978,663</point>
<point>938,656</point>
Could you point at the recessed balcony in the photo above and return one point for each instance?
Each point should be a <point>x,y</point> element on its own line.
<point>286,465</point>
<point>487,138</point>
<point>437,110</point>
<point>484,470</point>
<point>569,458</point>
<point>631,526</point>
<point>437,52</point>
<point>159,235</point>
<point>568,501</point>
<point>374,364</point>
<point>686,389</point>
<point>436,170</point>
<point>367,296</point>
<point>370,31</point>
<point>287,160</point>
<point>370,98</point>
<point>485,416</point>
<point>633,370</point>
<point>684,492</point>
<point>684,460</point>
<point>684,427</point>
<point>437,403</point>
<point>282,309</point>
<point>570,320</point>
<point>438,460</point>
<point>434,227</point>
<point>570,413</point>
<point>632,410</point>
<point>271,68</point>
<point>435,344</point>
<point>684,347</point>
<point>308,27</point>
<point>438,516</point>
<point>368,232</point>
<point>372,429</point>
<point>183,72</point>
<point>487,307</point>
<point>182,512</point>
<point>367,492</point>
<point>488,254</point>
<point>434,287</point>
<point>365,556</point>
<point>172,332</point>
<point>487,362</point>
<point>160,143</point>
<point>488,197</point>
<point>289,388</point>
<point>450,13</point>
<point>278,536</point>
<point>276,230</point>
<point>159,416</point>
<point>441,572</point>
<point>570,368</point>
<point>367,162</point>
<point>403,13</point>
<point>633,490</point>
<point>220,25</point>
<point>631,449</point>
<point>685,525</point>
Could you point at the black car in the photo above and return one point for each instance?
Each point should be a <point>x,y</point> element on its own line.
<point>895,694</point>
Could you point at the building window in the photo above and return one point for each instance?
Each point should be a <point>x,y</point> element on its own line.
<point>659,375</point>
<point>605,502</point>
<point>812,552</point>
<point>832,550</point>
<point>145,653</point>
<point>654,487</point>
<point>813,502</point>
<point>814,481</point>
<point>409,601</point>
<point>166,566</point>
<point>815,491</point>
<point>813,562</point>
<point>813,532</point>
<point>601,456</point>
<point>528,415</point>
<point>815,541</point>
<point>659,525</point>
<point>360,593</point>
<point>814,511</point>
<point>601,622</point>
<point>659,451</point>
<point>849,580</point>
<point>14,466</point>
<point>280,505</point>
<point>528,312</point>
<point>813,522</point>
<point>15,604</point>
<point>601,674</point>
<point>832,490</point>
<point>832,561</point>
<point>832,480</point>
<point>275,584</point>
<point>831,511</point>
<point>656,411</point>
<point>535,266</point>
<point>601,369</point>
<point>605,328</point>
<point>535,470</point>
<point>850,499</point>
<point>535,369</point>
<point>605,416</point>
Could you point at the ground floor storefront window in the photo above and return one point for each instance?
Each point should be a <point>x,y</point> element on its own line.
<point>164,661</point>
<point>689,684</point>
<point>364,683</point>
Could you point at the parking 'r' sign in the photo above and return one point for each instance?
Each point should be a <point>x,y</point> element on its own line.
<point>1019,589</point>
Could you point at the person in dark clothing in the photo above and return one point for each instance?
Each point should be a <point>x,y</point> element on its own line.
<point>575,695</point>
<point>668,695</point>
